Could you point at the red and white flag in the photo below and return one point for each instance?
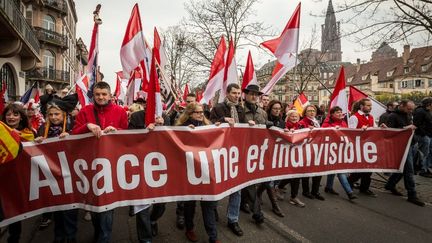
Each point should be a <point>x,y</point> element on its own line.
<point>134,51</point>
<point>159,48</point>
<point>285,49</point>
<point>134,88</point>
<point>339,95</point>
<point>355,95</point>
<point>230,72</point>
<point>186,91</point>
<point>154,101</point>
<point>82,89</point>
<point>249,76</point>
<point>217,72</point>
<point>92,66</point>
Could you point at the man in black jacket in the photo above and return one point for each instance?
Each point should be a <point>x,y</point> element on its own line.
<point>423,134</point>
<point>230,111</point>
<point>146,221</point>
<point>402,118</point>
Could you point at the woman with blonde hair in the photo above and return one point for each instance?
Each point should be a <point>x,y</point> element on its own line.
<point>192,117</point>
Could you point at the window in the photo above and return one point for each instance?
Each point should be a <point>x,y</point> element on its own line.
<point>430,83</point>
<point>325,75</point>
<point>411,60</point>
<point>391,86</point>
<point>48,23</point>
<point>49,59</point>
<point>404,84</point>
<point>427,58</point>
<point>424,68</point>
<point>350,79</point>
<point>330,82</point>
<point>7,78</point>
<point>418,83</point>
<point>406,69</point>
<point>315,97</point>
<point>364,77</point>
<point>390,73</point>
<point>382,85</point>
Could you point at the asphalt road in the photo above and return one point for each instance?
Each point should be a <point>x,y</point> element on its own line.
<point>386,218</point>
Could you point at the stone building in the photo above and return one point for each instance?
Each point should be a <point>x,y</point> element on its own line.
<point>54,23</point>
<point>19,49</point>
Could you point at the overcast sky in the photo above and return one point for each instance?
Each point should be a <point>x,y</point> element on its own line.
<point>165,13</point>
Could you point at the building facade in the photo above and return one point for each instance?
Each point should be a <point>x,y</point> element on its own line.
<point>19,49</point>
<point>54,23</point>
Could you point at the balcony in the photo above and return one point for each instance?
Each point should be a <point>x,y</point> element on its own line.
<point>56,5</point>
<point>15,28</point>
<point>51,37</point>
<point>48,74</point>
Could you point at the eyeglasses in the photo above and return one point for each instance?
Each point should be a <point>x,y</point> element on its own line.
<point>310,110</point>
<point>198,112</point>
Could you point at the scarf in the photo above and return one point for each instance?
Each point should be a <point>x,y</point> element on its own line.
<point>233,109</point>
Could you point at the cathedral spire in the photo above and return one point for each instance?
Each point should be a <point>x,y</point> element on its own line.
<point>330,36</point>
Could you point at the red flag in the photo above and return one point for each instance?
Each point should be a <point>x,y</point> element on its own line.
<point>154,102</point>
<point>134,51</point>
<point>284,48</point>
<point>249,76</point>
<point>199,95</point>
<point>37,97</point>
<point>81,89</point>
<point>157,45</point>
<point>339,95</point>
<point>2,97</point>
<point>355,94</point>
<point>230,72</point>
<point>216,73</point>
<point>118,86</point>
<point>186,91</point>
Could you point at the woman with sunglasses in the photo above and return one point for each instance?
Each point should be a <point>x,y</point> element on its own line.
<point>193,116</point>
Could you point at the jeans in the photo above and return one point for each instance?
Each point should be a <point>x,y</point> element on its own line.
<point>343,181</point>
<point>208,209</point>
<point>408,175</point>
<point>65,224</point>
<point>102,223</point>
<point>233,209</point>
<point>425,146</point>
<point>144,219</point>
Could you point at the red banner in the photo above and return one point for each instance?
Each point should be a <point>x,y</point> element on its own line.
<point>179,163</point>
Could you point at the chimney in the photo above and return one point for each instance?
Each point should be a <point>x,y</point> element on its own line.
<point>406,54</point>
<point>358,64</point>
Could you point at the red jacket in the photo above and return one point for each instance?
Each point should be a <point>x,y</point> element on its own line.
<point>333,123</point>
<point>294,126</point>
<point>109,115</point>
<point>306,122</point>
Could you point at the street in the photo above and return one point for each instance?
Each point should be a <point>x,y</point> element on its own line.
<point>387,218</point>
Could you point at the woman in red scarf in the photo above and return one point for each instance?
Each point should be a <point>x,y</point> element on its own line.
<point>336,120</point>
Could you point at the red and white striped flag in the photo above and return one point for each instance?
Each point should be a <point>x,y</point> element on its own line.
<point>230,72</point>
<point>154,101</point>
<point>249,76</point>
<point>339,95</point>
<point>134,51</point>
<point>284,48</point>
<point>217,72</point>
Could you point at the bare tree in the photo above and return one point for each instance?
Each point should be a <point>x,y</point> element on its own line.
<point>375,21</point>
<point>208,20</point>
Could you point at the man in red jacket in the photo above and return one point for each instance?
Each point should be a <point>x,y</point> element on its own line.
<point>99,118</point>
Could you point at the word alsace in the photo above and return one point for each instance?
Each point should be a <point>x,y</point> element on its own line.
<point>206,163</point>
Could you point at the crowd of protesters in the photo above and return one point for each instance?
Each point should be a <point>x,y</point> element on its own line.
<point>58,115</point>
